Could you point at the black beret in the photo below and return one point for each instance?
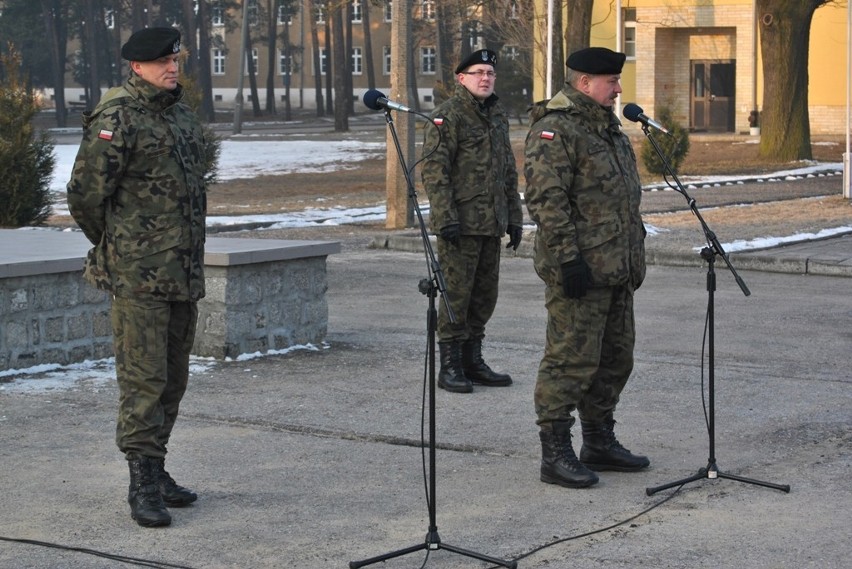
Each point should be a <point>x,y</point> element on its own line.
<point>481,56</point>
<point>151,43</point>
<point>596,61</point>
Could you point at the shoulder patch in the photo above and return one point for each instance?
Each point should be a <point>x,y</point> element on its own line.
<point>438,120</point>
<point>547,134</point>
<point>105,134</point>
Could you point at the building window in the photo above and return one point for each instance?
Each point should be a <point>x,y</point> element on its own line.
<point>511,52</point>
<point>109,19</point>
<point>427,10</point>
<point>357,13</point>
<point>514,10</point>
<point>629,35</point>
<point>285,63</point>
<point>323,61</point>
<point>218,62</point>
<point>217,14</point>
<point>285,15</point>
<point>386,60</point>
<point>388,10</point>
<point>356,61</point>
<point>319,13</point>
<point>253,13</point>
<point>253,61</point>
<point>428,60</point>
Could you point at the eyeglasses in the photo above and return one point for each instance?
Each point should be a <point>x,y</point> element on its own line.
<point>480,74</point>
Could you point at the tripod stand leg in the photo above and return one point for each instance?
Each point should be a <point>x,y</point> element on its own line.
<point>698,476</point>
<point>782,487</point>
<point>386,556</point>
<point>510,564</point>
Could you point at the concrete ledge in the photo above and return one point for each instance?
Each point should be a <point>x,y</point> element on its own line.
<point>25,252</point>
<point>262,294</point>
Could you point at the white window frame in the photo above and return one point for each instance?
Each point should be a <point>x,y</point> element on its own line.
<point>217,60</point>
<point>323,61</point>
<point>428,60</point>
<point>217,14</point>
<point>628,47</point>
<point>386,60</point>
<point>427,10</point>
<point>254,56</point>
<point>357,11</point>
<point>357,61</point>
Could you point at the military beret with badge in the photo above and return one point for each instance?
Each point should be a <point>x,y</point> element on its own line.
<point>478,57</point>
<point>596,61</point>
<point>149,44</point>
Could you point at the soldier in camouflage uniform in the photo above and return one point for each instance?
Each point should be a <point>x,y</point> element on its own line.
<point>137,191</point>
<point>471,179</point>
<point>583,193</point>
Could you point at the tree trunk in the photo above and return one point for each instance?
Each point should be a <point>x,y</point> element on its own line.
<point>188,42</point>
<point>785,27</point>
<point>271,39</point>
<point>91,53</point>
<point>54,24</point>
<point>578,25</point>
<point>205,80</point>
<point>252,74</point>
<point>557,75</point>
<point>368,46</point>
<point>310,10</point>
<point>336,13</point>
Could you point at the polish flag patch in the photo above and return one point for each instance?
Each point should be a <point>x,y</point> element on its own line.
<point>438,120</point>
<point>547,134</point>
<point>105,135</point>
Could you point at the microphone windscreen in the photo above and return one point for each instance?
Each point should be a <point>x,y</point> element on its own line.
<point>371,99</point>
<point>632,111</point>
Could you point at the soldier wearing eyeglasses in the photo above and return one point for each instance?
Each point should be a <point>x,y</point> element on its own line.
<point>471,179</point>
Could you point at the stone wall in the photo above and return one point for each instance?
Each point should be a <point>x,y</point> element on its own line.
<point>52,318</point>
<point>262,294</point>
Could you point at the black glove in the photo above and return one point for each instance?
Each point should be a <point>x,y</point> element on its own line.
<point>514,232</point>
<point>576,277</point>
<point>451,234</point>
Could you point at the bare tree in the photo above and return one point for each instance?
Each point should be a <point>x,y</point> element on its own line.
<point>54,14</point>
<point>311,13</point>
<point>336,14</point>
<point>785,27</point>
<point>272,59</point>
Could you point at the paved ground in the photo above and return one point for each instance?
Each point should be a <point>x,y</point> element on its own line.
<point>312,460</point>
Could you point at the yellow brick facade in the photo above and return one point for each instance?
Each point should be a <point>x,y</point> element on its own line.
<point>688,47</point>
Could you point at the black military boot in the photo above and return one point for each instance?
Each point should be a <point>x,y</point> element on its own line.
<point>559,464</point>
<point>452,377</point>
<point>146,503</point>
<point>475,368</point>
<point>602,451</point>
<point>173,495</point>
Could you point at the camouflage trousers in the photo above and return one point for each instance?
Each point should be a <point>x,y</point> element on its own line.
<point>588,355</point>
<point>152,340</point>
<point>471,271</point>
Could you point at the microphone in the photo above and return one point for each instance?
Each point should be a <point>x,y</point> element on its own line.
<point>376,100</point>
<point>634,112</point>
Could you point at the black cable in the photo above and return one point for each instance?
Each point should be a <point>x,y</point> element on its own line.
<point>96,553</point>
<point>597,531</point>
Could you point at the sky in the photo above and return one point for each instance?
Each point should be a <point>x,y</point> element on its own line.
<point>246,158</point>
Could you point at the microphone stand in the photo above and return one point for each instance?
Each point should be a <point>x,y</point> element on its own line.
<point>430,287</point>
<point>709,253</point>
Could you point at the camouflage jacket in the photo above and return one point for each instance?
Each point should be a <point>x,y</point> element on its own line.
<point>583,191</point>
<point>137,192</point>
<point>471,177</point>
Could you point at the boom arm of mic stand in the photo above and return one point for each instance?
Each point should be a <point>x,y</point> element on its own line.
<point>712,240</point>
<point>437,275</point>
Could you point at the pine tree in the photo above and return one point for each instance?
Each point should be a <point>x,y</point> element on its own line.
<point>26,156</point>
